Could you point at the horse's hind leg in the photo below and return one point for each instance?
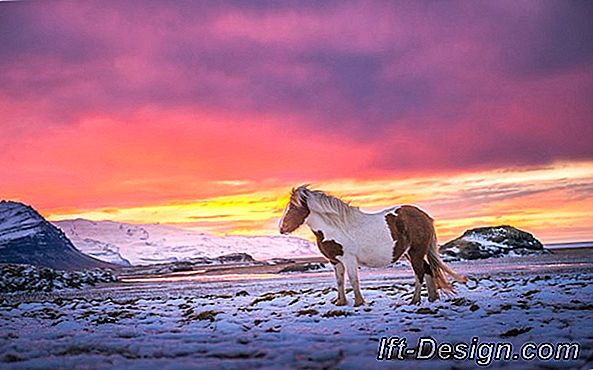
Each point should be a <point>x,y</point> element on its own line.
<point>417,261</point>
<point>433,293</point>
<point>339,271</point>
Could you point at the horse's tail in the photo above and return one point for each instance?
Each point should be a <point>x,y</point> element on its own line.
<point>440,270</point>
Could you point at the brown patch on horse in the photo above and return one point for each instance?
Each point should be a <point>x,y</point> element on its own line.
<point>398,234</point>
<point>329,248</point>
<point>417,224</point>
<point>414,232</point>
<point>410,228</point>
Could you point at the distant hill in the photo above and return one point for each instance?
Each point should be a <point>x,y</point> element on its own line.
<point>497,241</point>
<point>143,244</point>
<point>27,238</point>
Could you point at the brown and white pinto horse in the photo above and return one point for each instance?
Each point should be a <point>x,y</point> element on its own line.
<point>347,237</point>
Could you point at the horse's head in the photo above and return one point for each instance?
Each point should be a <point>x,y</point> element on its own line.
<point>296,210</point>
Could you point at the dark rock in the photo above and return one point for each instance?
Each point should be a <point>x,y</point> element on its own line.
<point>279,261</point>
<point>487,242</point>
<point>234,258</point>
<point>29,278</point>
<point>303,267</point>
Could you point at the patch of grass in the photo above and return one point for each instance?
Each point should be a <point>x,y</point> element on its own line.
<point>45,313</point>
<point>109,317</point>
<point>515,331</point>
<point>124,302</point>
<point>76,350</point>
<point>238,355</point>
<point>307,312</point>
<point>461,301</point>
<point>124,314</point>
<point>104,320</point>
<point>263,298</point>
<point>530,293</point>
<point>208,315</point>
<point>336,313</point>
<point>273,295</point>
<point>256,322</point>
<point>12,357</point>
<point>426,311</point>
<point>582,307</point>
<point>87,313</point>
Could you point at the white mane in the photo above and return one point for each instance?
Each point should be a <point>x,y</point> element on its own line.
<point>328,206</point>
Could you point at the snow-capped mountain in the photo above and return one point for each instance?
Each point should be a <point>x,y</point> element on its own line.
<point>143,244</point>
<point>26,237</point>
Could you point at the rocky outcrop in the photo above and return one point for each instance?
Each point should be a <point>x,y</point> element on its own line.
<point>28,278</point>
<point>305,267</point>
<point>488,242</point>
<point>27,238</point>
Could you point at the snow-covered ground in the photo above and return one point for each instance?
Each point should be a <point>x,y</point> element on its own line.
<point>288,320</point>
<point>143,244</point>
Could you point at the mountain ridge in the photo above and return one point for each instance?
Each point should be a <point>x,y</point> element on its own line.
<point>27,238</point>
<point>143,244</point>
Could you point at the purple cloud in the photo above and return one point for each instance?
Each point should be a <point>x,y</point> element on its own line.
<point>433,85</point>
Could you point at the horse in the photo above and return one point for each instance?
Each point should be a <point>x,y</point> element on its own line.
<point>349,237</point>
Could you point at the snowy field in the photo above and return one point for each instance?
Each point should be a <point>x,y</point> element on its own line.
<point>288,321</point>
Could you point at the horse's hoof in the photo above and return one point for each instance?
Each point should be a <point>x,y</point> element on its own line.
<point>432,299</point>
<point>340,302</point>
<point>415,301</point>
<point>359,302</point>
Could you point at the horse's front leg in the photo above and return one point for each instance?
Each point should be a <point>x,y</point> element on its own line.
<point>352,270</point>
<point>339,271</point>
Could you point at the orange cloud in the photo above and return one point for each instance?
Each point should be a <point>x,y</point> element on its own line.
<point>154,157</point>
<point>552,202</point>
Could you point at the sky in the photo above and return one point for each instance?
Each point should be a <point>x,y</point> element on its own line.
<point>205,114</point>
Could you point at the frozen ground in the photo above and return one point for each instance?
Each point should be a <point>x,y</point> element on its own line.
<point>288,321</point>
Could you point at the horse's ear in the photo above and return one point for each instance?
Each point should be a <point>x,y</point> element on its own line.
<point>304,192</point>
<point>305,188</point>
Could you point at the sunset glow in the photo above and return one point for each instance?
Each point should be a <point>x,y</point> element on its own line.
<point>205,116</point>
<point>548,201</point>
